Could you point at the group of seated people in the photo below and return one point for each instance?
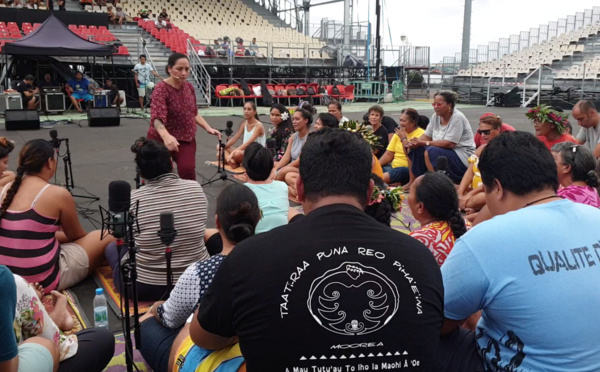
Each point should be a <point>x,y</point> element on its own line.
<point>26,4</point>
<point>224,47</point>
<point>160,21</point>
<point>271,287</point>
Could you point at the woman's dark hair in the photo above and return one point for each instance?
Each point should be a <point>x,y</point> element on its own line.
<point>251,103</point>
<point>493,120</point>
<point>6,147</point>
<point>258,162</point>
<point>307,112</point>
<point>329,120</point>
<point>581,160</point>
<point>518,153</point>
<point>173,60</point>
<point>449,96</point>
<point>279,133</point>
<point>34,155</point>
<point>412,114</point>
<point>437,193</point>
<point>152,158</point>
<point>238,212</point>
<point>376,108</point>
<point>336,103</point>
<point>423,122</point>
<point>382,211</point>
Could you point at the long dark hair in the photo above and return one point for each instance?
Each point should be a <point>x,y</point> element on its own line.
<point>258,162</point>
<point>253,105</point>
<point>238,212</point>
<point>34,155</point>
<point>437,193</point>
<point>279,133</point>
<point>6,147</point>
<point>381,211</point>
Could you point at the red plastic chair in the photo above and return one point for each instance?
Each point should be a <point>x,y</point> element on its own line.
<point>218,95</point>
<point>349,93</point>
<point>279,87</point>
<point>291,86</point>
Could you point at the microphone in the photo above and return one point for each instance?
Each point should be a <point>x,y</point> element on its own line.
<point>441,165</point>
<point>167,232</point>
<point>229,126</point>
<point>271,144</point>
<point>119,200</point>
<point>55,142</point>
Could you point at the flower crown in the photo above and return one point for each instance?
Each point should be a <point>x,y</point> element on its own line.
<point>394,195</point>
<point>546,114</point>
<point>366,131</point>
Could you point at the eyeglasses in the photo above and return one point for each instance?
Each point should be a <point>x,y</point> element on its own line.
<point>484,132</point>
<point>574,147</point>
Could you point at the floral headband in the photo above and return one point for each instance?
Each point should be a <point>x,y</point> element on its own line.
<point>393,195</point>
<point>546,114</point>
<point>366,131</point>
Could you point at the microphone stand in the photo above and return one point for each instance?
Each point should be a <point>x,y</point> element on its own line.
<point>69,182</point>
<point>167,238</point>
<point>221,160</point>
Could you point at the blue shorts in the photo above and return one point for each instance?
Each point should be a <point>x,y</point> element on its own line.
<point>83,96</point>
<point>35,357</point>
<point>397,175</point>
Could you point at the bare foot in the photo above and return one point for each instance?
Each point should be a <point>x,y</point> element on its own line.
<point>60,315</point>
<point>39,290</point>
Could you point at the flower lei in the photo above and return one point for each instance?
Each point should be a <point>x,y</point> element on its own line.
<point>394,195</point>
<point>365,130</point>
<point>546,114</point>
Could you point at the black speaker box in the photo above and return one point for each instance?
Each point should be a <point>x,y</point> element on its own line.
<point>21,119</point>
<point>104,117</point>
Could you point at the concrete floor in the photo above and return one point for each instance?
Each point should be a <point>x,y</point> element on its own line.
<point>101,155</point>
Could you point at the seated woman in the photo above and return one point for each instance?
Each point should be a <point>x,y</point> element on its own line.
<point>6,148</point>
<point>43,240</point>
<point>434,203</point>
<point>164,191</point>
<point>549,125</point>
<point>479,140</point>
<point>252,131</point>
<point>237,214</point>
<point>576,173</point>
<point>448,134</point>
<point>394,161</point>
<point>470,192</point>
<point>87,350</point>
<point>326,120</point>
<point>375,116</point>
<point>272,195</point>
<point>288,166</point>
<point>280,132</point>
<point>380,207</point>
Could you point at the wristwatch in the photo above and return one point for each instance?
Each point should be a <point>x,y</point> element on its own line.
<point>427,143</point>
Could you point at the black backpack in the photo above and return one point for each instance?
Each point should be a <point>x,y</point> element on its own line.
<point>300,91</point>
<point>246,88</point>
<point>267,98</point>
<point>310,91</point>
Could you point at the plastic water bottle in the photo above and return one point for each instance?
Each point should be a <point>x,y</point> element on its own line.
<point>100,309</point>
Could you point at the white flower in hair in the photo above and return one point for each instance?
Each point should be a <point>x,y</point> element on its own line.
<point>285,116</point>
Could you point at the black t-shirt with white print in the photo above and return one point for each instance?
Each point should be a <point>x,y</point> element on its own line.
<point>333,289</point>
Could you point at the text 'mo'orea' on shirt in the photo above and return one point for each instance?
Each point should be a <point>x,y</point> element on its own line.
<point>334,291</point>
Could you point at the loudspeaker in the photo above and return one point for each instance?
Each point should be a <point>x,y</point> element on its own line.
<point>22,119</point>
<point>508,97</point>
<point>104,117</point>
<point>55,102</point>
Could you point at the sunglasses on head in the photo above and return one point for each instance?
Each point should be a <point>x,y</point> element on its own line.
<point>484,132</point>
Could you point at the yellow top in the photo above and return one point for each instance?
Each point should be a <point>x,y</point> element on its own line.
<point>397,148</point>
<point>477,181</point>
<point>376,167</point>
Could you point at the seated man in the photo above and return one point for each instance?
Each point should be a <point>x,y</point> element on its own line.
<point>354,281</point>
<point>114,98</point>
<point>28,93</point>
<point>164,15</point>
<point>111,15</point>
<point>120,17</point>
<point>48,82</point>
<point>144,14</point>
<point>79,89</point>
<point>588,119</point>
<point>164,191</point>
<point>160,23</point>
<point>527,267</point>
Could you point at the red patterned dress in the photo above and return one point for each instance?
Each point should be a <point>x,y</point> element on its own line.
<point>580,194</point>
<point>438,237</point>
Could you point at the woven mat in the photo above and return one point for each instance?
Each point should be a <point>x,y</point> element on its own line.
<point>118,362</point>
<point>238,170</point>
<point>80,321</point>
<point>104,278</point>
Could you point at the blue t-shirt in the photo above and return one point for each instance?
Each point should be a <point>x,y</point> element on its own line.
<point>274,204</point>
<point>535,273</point>
<point>80,87</point>
<point>8,294</point>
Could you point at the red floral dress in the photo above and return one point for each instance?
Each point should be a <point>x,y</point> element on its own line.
<point>176,108</point>
<point>438,237</point>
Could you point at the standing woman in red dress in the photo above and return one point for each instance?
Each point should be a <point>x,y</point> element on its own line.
<point>175,116</point>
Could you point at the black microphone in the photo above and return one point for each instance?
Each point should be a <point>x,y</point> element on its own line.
<point>119,200</point>
<point>55,142</point>
<point>229,130</point>
<point>167,232</point>
<point>271,145</point>
<point>441,165</point>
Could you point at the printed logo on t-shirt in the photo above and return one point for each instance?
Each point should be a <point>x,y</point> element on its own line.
<point>353,299</point>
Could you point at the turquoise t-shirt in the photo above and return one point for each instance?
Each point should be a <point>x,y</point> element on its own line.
<point>8,294</point>
<point>535,273</point>
<point>274,204</point>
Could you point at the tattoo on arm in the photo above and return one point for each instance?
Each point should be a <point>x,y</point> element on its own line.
<point>158,124</point>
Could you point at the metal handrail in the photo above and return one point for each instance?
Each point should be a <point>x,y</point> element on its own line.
<point>199,72</point>
<point>490,81</point>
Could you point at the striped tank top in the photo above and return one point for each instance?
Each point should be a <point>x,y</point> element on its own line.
<point>28,245</point>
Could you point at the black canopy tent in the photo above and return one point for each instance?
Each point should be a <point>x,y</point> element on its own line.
<point>53,38</point>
